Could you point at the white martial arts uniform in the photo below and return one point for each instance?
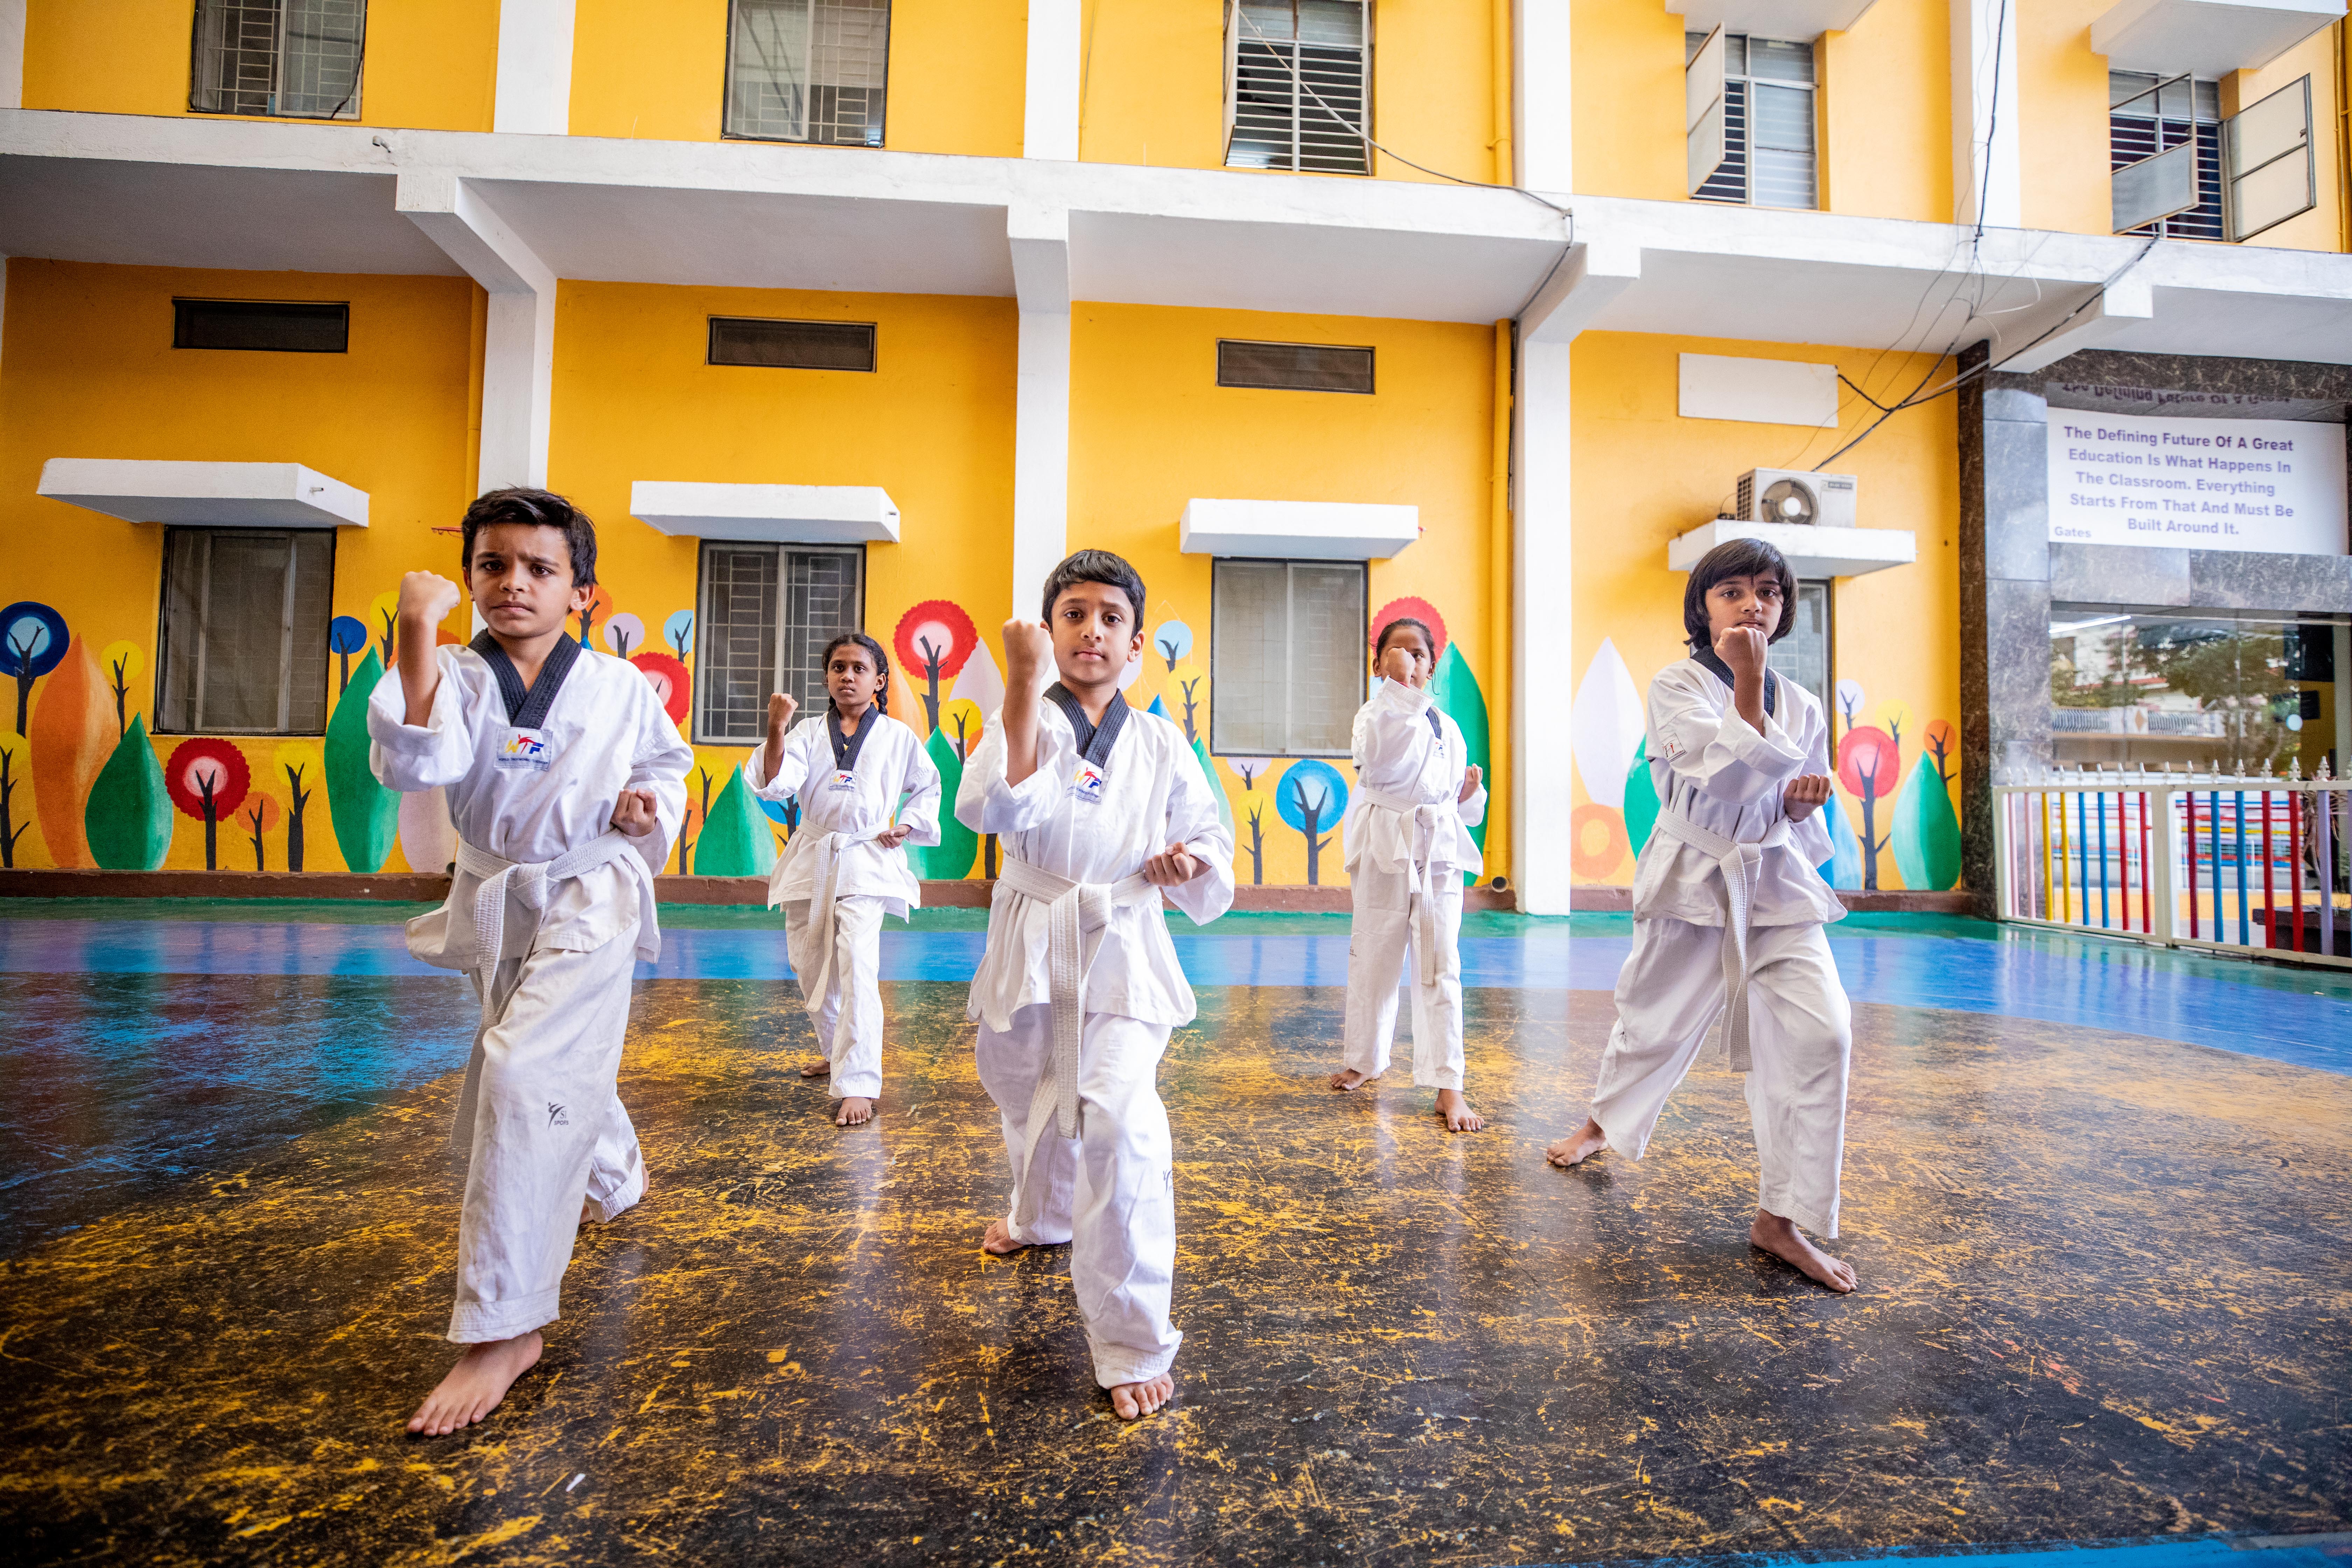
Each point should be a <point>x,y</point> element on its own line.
<point>1408,843</point>
<point>1076,996</point>
<point>549,912</point>
<point>837,883</point>
<point>1725,870</point>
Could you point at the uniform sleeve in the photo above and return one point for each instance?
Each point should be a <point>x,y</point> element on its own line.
<point>1471,811</point>
<point>1811,837</point>
<point>660,765</point>
<point>986,804</point>
<point>408,757</point>
<point>1719,753</point>
<point>791,761</point>
<point>921,785</point>
<point>1192,821</point>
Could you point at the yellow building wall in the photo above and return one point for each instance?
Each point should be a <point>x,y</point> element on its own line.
<point>1151,429</point>
<point>1642,474</point>
<point>431,65</point>
<point>955,82</point>
<point>932,425</point>
<point>1625,58</point>
<point>90,372</point>
<point>2061,117</point>
<point>1886,113</point>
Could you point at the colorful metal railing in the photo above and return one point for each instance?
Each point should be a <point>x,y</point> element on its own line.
<point>2226,861</point>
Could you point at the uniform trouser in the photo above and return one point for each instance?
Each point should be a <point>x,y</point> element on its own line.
<point>1109,1192</point>
<point>1800,1036</point>
<point>547,1132</point>
<point>849,1016</point>
<point>1381,946</point>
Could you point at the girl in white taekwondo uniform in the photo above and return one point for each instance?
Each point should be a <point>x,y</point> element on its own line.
<point>846,866</point>
<point>1101,809</point>
<point>1728,913</point>
<point>567,782</point>
<point>1407,832</point>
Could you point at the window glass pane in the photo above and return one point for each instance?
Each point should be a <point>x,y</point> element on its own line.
<point>278,57</point>
<point>1287,657</point>
<point>1248,653</point>
<point>736,641</point>
<point>1735,54</point>
<point>1299,92</point>
<point>821,601</point>
<point>1777,61</point>
<point>1802,656</point>
<point>2159,688</point>
<point>809,70</point>
<point>1327,655</point>
<point>2123,86</point>
<point>244,632</point>
<point>319,59</point>
<point>1729,181</point>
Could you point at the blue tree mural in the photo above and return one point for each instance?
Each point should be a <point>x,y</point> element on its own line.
<point>1310,797</point>
<point>32,642</point>
<point>346,635</point>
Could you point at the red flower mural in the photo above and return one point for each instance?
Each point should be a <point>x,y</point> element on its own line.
<point>1415,609</point>
<point>208,779</point>
<point>1870,764</point>
<point>934,639</point>
<point>670,682</point>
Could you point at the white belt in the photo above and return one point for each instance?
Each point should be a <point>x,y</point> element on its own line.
<point>824,875</point>
<point>1427,820</point>
<point>1741,864</point>
<point>1073,911</point>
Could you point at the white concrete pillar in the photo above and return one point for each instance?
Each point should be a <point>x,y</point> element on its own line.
<point>1986,173</point>
<point>534,87</point>
<point>12,53</point>
<point>1542,632</point>
<point>519,352</point>
<point>1049,121</point>
<point>1040,238</point>
<point>1543,138</point>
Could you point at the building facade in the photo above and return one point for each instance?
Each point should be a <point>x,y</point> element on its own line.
<point>863,313</point>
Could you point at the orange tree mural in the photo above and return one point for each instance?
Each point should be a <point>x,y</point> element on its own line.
<point>123,661</point>
<point>295,760</point>
<point>1869,761</point>
<point>258,816</point>
<point>207,780</point>
<point>70,745</point>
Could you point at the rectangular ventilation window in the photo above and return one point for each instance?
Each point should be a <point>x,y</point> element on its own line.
<point>274,326</point>
<point>1294,367</point>
<point>792,345</point>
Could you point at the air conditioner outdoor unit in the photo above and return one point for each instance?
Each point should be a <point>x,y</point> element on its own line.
<point>1792,495</point>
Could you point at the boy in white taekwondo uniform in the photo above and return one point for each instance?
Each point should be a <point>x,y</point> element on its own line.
<point>567,782</point>
<point>1101,810</point>
<point>1728,913</point>
<point>846,866</point>
<point>1407,831</point>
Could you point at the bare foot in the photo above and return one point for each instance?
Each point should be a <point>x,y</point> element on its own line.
<point>1456,1113</point>
<point>816,1066</point>
<point>476,1384</point>
<point>998,1239</point>
<point>1350,1080</point>
<point>1578,1146</point>
<point>1134,1399</point>
<point>856,1108</point>
<point>1784,1241</point>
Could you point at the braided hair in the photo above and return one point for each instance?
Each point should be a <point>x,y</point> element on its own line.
<point>874,651</point>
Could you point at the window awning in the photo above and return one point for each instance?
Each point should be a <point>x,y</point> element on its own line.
<point>1297,530</point>
<point>1798,21</point>
<point>205,495</point>
<point>770,514</point>
<point>1812,551</point>
<point>2207,38</point>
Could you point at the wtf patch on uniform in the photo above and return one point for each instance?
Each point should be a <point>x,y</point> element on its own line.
<point>843,781</point>
<point>1086,785</point>
<point>524,749</point>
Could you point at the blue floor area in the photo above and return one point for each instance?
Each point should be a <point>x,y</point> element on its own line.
<point>2299,1016</point>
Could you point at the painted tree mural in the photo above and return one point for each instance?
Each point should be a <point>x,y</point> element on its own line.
<point>1172,642</point>
<point>295,759</point>
<point>258,816</point>
<point>1311,797</point>
<point>1869,765</point>
<point>32,642</point>
<point>128,817</point>
<point>1642,804</point>
<point>208,779</point>
<point>1188,685</point>
<point>686,843</point>
<point>679,632</point>
<point>365,814</point>
<point>383,610</point>
<point>735,838</point>
<point>599,606</point>
<point>670,682</point>
<point>123,662</point>
<point>933,639</point>
<point>70,746</point>
<point>623,632</point>
<point>1216,790</point>
<point>1927,831</point>
<point>345,637</point>
<point>1249,768</point>
<point>14,779</point>
<point>1258,844</point>
<point>1456,692</point>
<point>960,721</point>
<point>1415,608</point>
<point>951,859</point>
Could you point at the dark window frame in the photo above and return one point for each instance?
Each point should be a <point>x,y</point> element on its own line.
<point>727,89</point>
<point>182,311</point>
<point>159,695</point>
<point>1363,657</point>
<point>873,331</point>
<point>700,731</point>
<point>344,113</point>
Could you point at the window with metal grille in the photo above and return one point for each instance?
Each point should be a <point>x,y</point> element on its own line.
<point>1766,96</point>
<point>243,644</point>
<point>768,610</point>
<point>1803,655</point>
<point>1285,656</point>
<point>1294,367</point>
<point>1298,85</point>
<point>298,58</point>
<point>792,345</point>
<point>271,326</point>
<point>2147,116</point>
<point>808,70</point>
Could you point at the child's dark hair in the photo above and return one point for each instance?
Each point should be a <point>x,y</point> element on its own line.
<point>874,651</point>
<point>531,508</point>
<point>1428,637</point>
<point>1095,566</point>
<point>1736,558</point>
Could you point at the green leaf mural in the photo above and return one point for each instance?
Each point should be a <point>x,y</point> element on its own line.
<point>1459,697</point>
<point>950,859</point>
<point>736,841</point>
<point>366,816</point>
<point>1927,831</point>
<point>129,815</point>
<point>1640,798</point>
<point>1217,791</point>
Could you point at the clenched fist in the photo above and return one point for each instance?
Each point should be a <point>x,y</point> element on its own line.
<point>780,709</point>
<point>427,597</point>
<point>636,814</point>
<point>1028,648</point>
<point>1742,648</point>
<point>1804,794</point>
<point>1470,779</point>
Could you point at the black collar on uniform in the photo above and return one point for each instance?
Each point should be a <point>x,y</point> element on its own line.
<point>527,707</point>
<point>845,753</point>
<point>1722,671</point>
<point>1095,741</point>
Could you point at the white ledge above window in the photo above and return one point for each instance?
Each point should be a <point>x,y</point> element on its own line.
<point>769,514</point>
<point>1798,21</point>
<point>1811,551</point>
<point>2206,37</point>
<point>1297,530</point>
<point>205,495</point>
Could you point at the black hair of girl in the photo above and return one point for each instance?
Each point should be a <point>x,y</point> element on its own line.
<point>1428,639</point>
<point>1736,558</point>
<point>881,666</point>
